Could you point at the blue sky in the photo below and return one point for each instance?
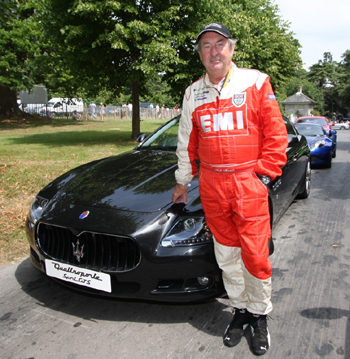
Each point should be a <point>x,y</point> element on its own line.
<point>319,25</point>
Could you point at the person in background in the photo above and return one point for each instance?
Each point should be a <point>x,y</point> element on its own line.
<point>231,121</point>
<point>76,116</point>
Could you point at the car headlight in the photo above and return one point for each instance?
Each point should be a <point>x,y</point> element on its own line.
<point>188,231</point>
<point>37,207</point>
<point>317,144</point>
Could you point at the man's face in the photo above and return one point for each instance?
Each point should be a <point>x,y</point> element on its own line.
<point>215,54</point>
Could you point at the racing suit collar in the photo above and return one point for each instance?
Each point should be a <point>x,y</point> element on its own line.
<point>222,83</point>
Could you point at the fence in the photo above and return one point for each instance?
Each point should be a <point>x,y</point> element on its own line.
<point>114,112</point>
<point>125,112</point>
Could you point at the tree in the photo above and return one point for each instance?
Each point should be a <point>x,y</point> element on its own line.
<point>343,90</point>
<point>324,75</point>
<point>264,43</point>
<point>309,89</point>
<point>158,91</point>
<point>111,44</point>
<point>19,45</point>
<point>264,40</point>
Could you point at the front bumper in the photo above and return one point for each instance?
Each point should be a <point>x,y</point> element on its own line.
<point>179,274</point>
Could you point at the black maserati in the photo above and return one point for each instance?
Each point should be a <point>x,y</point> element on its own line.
<point>109,227</point>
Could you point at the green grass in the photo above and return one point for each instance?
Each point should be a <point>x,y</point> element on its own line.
<point>35,150</point>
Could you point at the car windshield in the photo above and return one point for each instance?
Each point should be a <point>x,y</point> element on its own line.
<point>164,137</point>
<point>309,130</point>
<point>318,120</point>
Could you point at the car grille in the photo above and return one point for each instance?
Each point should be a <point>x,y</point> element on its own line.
<point>95,251</point>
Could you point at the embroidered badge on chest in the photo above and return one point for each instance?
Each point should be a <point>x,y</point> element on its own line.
<point>238,99</point>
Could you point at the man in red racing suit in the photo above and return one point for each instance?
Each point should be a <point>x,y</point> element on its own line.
<point>231,121</point>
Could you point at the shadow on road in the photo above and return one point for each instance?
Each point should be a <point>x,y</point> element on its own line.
<point>326,314</point>
<point>50,294</point>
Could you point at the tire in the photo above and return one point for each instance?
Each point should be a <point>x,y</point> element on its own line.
<point>342,128</point>
<point>334,155</point>
<point>306,187</point>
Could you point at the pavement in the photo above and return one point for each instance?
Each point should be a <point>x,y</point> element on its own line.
<point>41,319</point>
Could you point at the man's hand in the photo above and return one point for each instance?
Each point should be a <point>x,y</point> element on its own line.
<point>179,193</point>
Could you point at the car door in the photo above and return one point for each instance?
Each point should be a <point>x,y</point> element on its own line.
<point>285,188</point>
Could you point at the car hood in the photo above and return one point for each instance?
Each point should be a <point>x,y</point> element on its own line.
<point>138,181</point>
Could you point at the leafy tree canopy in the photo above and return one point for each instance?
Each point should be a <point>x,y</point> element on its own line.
<point>308,88</point>
<point>343,89</point>
<point>327,76</point>
<point>324,73</point>
<point>19,44</point>
<point>111,44</point>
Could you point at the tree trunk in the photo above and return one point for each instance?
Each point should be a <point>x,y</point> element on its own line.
<point>8,101</point>
<point>136,129</point>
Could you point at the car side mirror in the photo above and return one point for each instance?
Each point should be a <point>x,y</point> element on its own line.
<point>140,137</point>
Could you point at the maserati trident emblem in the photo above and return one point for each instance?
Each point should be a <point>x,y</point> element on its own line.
<point>78,251</point>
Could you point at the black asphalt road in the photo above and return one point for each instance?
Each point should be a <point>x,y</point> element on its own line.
<point>311,295</point>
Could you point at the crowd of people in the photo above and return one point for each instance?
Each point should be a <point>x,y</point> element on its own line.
<point>161,111</point>
<point>93,111</point>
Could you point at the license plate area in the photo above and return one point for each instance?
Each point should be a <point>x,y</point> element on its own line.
<point>80,276</point>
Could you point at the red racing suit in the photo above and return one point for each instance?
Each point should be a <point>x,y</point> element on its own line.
<point>237,131</point>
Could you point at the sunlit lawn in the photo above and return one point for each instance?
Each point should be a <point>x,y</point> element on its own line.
<point>34,152</point>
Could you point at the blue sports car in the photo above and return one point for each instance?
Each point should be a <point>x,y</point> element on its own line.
<point>323,147</point>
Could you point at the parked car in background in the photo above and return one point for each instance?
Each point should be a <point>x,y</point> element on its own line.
<point>340,126</point>
<point>315,119</point>
<point>109,227</point>
<point>60,106</point>
<point>321,121</point>
<point>323,149</point>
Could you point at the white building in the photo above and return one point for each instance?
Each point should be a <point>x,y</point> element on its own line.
<point>298,105</point>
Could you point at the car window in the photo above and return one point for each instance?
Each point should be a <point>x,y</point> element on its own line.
<point>310,130</point>
<point>318,120</point>
<point>290,127</point>
<point>166,136</point>
<point>292,134</point>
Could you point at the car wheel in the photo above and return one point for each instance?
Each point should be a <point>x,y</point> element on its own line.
<point>305,190</point>
<point>334,155</point>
